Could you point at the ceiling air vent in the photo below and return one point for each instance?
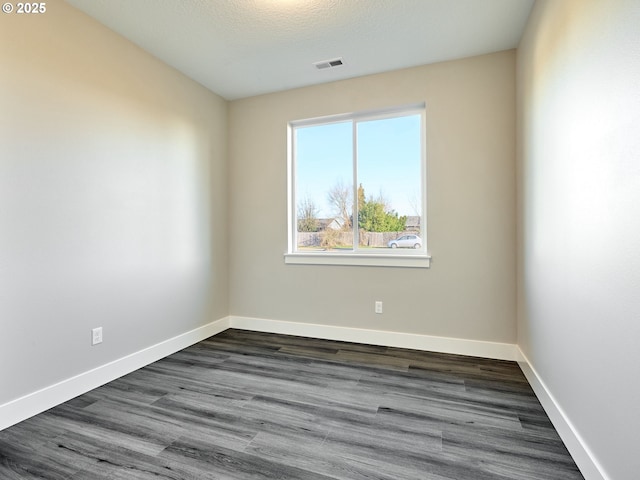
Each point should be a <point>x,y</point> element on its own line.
<point>324,64</point>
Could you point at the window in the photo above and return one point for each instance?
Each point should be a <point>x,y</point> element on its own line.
<point>357,189</point>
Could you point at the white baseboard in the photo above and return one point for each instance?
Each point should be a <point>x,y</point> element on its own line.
<point>582,455</point>
<point>473,348</point>
<point>48,397</point>
<point>29,405</point>
<point>22,408</point>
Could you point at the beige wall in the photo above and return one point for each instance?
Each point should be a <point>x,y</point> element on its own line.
<point>469,292</point>
<point>113,199</point>
<point>579,193</point>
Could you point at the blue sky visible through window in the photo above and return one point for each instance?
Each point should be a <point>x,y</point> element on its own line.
<point>389,162</point>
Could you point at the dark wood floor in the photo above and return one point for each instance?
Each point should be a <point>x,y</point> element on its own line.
<point>245,405</point>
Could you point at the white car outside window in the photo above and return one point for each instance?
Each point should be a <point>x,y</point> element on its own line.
<point>406,241</point>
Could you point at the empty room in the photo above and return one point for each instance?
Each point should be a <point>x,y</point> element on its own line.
<point>320,239</point>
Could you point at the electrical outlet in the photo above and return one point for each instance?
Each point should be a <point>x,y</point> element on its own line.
<point>378,306</point>
<point>96,336</point>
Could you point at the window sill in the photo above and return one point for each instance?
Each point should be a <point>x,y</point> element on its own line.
<point>359,259</point>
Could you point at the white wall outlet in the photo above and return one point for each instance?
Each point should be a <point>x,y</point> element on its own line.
<point>96,336</point>
<point>378,306</point>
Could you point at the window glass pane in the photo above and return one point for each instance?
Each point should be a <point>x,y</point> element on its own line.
<point>389,182</point>
<point>324,187</point>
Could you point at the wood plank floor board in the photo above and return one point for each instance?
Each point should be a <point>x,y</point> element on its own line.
<point>302,452</point>
<point>53,428</point>
<point>277,415</point>
<point>248,405</point>
<point>29,461</point>
<point>230,464</point>
<point>328,459</point>
<point>235,428</point>
<point>285,365</point>
<point>515,461</point>
<point>340,400</point>
<point>527,445</point>
<point>94,461</point>
<point>454,411</point>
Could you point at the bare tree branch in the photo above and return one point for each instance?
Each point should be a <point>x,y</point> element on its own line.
<point>307,216</point>
<point>339,197</point>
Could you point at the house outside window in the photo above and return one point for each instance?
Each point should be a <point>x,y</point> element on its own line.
<point>357,189</point>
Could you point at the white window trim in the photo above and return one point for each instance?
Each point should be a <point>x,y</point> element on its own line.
<point>411,259</point>
<point>358,259</point>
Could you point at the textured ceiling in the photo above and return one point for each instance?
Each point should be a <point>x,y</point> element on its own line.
<point>241,48</point>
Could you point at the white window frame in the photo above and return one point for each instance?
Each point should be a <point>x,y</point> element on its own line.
<point>359,257</point>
